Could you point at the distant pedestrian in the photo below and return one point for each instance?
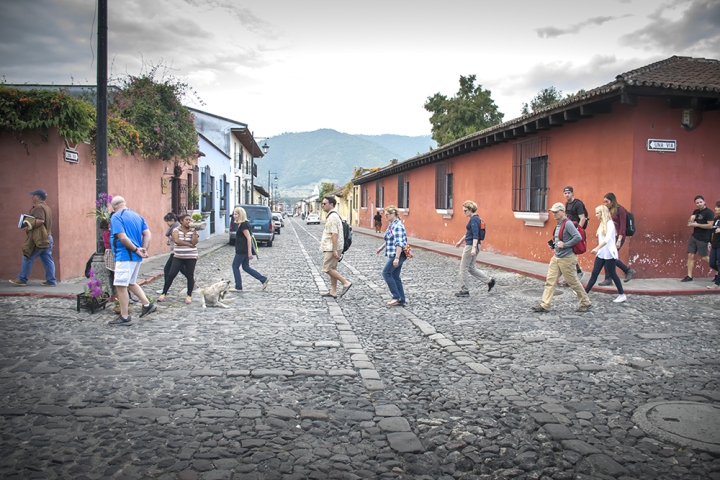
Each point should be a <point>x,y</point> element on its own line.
<point>331,244</point>
<point>185,254</point>
<point>619,218</point>
<point>39,241</point>
<point>563,261</point>
<point>606,252</point>
<point>243,251</point>
<point>378,222</point>
<point>715,247</point>
<point>702,222</point>
<point>130,239</point>
<point>576,212</point>
<point>395,240</point>
<point>468,264</point>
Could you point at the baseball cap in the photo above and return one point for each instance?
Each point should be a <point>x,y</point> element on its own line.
<point>557,207</point>
<point>568,189</point>
<point>40,193</point>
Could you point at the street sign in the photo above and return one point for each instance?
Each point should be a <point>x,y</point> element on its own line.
<point>71,156</point>
<point>655,145</point>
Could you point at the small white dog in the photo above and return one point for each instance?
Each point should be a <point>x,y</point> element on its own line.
<point>211,295</point>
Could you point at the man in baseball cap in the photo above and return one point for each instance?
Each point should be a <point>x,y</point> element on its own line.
<point>39,241</point>
<point>563,261</point>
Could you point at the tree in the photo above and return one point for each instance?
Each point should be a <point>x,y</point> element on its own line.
<point>472,109</point>
<point>545,97</point>
<point>326,189</point>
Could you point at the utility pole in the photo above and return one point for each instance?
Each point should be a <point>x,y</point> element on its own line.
<point>101,147</point>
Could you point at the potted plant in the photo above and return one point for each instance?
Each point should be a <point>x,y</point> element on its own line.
<point>94,296</point>
<point>198,223</point>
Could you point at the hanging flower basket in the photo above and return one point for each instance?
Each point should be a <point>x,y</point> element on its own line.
<point>91,303</point>
<point>198,225</point>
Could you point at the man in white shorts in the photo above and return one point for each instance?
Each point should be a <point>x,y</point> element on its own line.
<point>129,240</point>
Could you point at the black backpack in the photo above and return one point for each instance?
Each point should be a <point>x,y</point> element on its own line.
<point>629,224</point>
<point>347,233</point>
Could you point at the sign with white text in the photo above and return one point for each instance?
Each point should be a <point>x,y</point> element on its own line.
<point>71,156</point>
<point>655,145</point>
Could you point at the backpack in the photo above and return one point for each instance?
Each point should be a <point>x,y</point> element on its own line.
<point>580,247</point>
<point>482,230</point>
<point>629,223</point>
<point>347,233</point>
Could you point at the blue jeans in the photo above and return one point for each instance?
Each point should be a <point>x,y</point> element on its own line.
<point>391,274</point>
<point>45,255</point>
<point>715,263</point>
<point>241,260</point>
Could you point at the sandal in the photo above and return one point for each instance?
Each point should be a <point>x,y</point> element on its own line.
<point>328,294</point>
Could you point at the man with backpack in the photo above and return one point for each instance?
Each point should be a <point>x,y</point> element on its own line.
<point>565,237</point>
<point>332,245</point>
<point>577,213</point>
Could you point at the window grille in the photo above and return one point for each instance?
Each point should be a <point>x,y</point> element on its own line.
<point>379,195</point>
<point>403,192</point>
<point>530,175</point>
<point>443,187</point>
<point>363,197</point>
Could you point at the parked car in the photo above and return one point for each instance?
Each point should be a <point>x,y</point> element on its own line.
<point>261,224</point>
<point>312,218</point>
<point>277,222</point>
<point>280,215</point>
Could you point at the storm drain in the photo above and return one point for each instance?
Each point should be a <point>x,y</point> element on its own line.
<point>690,424</point>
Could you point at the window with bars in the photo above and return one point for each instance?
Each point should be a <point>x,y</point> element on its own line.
<point>530,175</point>
<point>403,192</point>
<point>443,187</point>
<point>363,197</point>
<point>379,195</point>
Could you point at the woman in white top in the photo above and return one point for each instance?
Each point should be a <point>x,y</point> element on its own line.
<point>606,253</point>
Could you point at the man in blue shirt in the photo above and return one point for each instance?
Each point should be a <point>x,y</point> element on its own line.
<point>563,262</point>
<point>129,240</point>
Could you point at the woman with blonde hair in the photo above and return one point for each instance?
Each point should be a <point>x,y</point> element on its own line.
<point>395,240</point>
<point>243,251</point>
<point>606,253</point>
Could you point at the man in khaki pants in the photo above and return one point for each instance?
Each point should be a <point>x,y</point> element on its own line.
<point>563,262</point>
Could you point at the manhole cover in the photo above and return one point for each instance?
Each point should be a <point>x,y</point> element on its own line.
<point>538,292</point>
<point>692,424</point>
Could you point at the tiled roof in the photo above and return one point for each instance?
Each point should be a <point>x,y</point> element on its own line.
<point>683,73</point>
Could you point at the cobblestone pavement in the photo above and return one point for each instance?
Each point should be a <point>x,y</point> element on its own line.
<point>288,385</point>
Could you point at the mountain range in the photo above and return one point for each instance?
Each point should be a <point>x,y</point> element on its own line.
<point>303,160</point>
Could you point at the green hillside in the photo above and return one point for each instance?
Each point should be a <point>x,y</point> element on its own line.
<point>303,160</point>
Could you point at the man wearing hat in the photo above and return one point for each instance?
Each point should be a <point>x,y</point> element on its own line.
<point>563,262</point>
<point>39,243</point>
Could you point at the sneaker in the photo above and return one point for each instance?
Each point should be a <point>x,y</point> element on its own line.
<point>539,309</point>
<point>161,298</point>
<point>188,299</point>
<point>563,284</point>
<point>18,283</point>
<point>581,275</point>
<point>462,293</point>
<point>48,284</point>
<point>713,286</point>
<point>147,310</point>
<point>686,279</point>
<point>120,321</point>
<point>605,283</point>
<point>267,279</point>
<point>132,299</point>
<point>491,284</point>
<point>629,274</point>
<point>621,298</point>
<point>158,291</point>
<point>583,308</point>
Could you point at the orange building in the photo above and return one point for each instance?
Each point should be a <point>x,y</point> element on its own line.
<point>146,185</point>
<point>652,137</point>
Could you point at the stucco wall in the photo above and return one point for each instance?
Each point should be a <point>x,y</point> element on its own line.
<point>602,154</point>
<point>71,195</point>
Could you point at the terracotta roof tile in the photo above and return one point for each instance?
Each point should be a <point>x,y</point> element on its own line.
<point>684,73</point>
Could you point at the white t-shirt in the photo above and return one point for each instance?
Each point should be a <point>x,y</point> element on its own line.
<point>609,250</point>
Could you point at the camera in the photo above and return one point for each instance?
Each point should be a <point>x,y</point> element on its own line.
<point>551,244</point>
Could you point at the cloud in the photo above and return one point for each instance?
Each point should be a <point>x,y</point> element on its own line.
<point>552,32</point>
<point>696,32</point>
<point>245,16</point>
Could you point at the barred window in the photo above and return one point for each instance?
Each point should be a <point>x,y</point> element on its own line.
<point>363,197</point>
<point>403,192</point>
<point>379,195</point>
<point>530,175</point>
<point>443,187</point>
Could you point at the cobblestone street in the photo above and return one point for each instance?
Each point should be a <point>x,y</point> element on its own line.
<point>286,384</point>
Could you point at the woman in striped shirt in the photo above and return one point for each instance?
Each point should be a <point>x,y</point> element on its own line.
<point>185,253</point>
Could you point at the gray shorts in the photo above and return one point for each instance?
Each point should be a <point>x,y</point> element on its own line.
<point>697,246</point>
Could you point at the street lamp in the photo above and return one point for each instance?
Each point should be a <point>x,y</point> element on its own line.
<point>265,149</point>
<point>268,189</point>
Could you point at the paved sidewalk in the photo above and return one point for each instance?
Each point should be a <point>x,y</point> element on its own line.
<point>152,268</point>
<point>643,286</point>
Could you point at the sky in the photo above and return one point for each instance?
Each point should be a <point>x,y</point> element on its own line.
<point>359,67</point>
